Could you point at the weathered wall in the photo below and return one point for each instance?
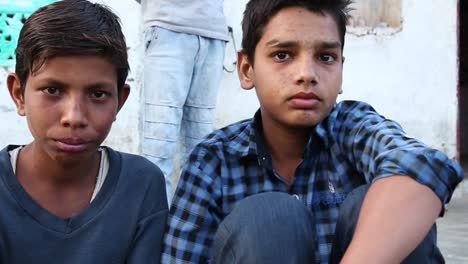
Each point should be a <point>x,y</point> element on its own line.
<point>409,76</point>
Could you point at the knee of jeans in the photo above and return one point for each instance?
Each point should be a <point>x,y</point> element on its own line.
<point>427,251</point>
<point>346,222</point>
<point>223,245</point>
<point>264,225</point>
<point>351,206</point>
<point>266,215</point>
<point>265,205</point>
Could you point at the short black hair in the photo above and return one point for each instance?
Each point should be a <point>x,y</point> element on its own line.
<point>71,27</point>
<point>259,12</point>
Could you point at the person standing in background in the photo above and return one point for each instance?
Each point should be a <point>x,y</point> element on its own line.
<point>183,66</point>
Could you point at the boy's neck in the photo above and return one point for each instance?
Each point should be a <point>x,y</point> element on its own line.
<point>286,147</point>
<point>49,170</point>
<point>62,189</point>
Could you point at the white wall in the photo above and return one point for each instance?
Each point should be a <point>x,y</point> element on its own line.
<point>410,76</point>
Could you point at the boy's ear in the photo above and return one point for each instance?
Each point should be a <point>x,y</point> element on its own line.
<point>245,71</point>
<point>14,87</point>
<point>123,95</point>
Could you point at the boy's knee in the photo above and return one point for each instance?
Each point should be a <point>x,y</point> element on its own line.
<point>266,228</point>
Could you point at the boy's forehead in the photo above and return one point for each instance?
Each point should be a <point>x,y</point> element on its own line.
<point>75,69</point>
<point>298,22</point>
<point>56,61</point>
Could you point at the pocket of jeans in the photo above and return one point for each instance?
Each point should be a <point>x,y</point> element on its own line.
<point>151,35</point>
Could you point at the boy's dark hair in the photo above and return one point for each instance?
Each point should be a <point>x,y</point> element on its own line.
<point>71,27</point>
<point>258,12</point>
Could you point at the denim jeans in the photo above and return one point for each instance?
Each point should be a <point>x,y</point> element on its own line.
<point>276,228</point>
<point>182,73</point>
<point>269,227</point>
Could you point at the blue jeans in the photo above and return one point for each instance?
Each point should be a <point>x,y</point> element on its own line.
<point>182,73</point>
<point>277,228</point>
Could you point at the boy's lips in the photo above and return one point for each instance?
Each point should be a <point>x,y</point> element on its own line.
<point>72,144</point>
<point>304,100</point>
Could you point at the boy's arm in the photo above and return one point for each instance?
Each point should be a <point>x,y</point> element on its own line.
<point>194,214</point>
<point>396,215</point>
<point>410,182</point>
<point>147,242</point>
<point>146,247</point>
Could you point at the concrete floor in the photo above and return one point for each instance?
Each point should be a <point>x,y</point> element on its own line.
<point>453,231</point>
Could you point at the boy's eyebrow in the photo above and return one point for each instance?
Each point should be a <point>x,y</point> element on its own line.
<point>291,44</point>
<point>100,85</point>
<point>54,82</point>
<point>330,45</point>
<point>281,44</point>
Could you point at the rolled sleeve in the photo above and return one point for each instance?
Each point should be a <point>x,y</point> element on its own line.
<point>380,148</point>
<point>427,166</point>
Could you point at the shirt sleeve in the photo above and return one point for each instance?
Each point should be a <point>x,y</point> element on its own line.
<point>194,215</point>
<point>378,147</point>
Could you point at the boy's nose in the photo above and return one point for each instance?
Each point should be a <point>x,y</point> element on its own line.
<point>306,72</point>
<point>74,113</point>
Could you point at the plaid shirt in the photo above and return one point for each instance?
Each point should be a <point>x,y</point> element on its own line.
<point>352,146</point>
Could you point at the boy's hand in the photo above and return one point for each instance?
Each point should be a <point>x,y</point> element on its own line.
<point>396,215</point>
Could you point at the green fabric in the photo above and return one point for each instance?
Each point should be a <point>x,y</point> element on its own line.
<point>13,13</point>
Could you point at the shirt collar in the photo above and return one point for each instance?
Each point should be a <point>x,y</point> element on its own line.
<point>257,135</point>
<point>257,145</point>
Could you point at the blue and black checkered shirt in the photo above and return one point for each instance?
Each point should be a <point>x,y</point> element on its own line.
<point>354,145</point>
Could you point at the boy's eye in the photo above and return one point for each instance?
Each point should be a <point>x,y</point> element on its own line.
<point>98,94</point>
<point>327,58</point>
<point>51,90</point>
<point>282,55</point>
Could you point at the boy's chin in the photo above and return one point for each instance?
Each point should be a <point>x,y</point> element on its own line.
<point>303,125</point>
<point>73,158</point>
<point>305,120</point>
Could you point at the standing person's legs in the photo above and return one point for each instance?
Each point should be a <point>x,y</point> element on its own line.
<point>426,252</point>
<point>168,69</point>
<point>270,227</point>
<point>199,109</point>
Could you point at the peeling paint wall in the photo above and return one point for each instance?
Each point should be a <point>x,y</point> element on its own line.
<point>409,76</point>
<point>374,13</point>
